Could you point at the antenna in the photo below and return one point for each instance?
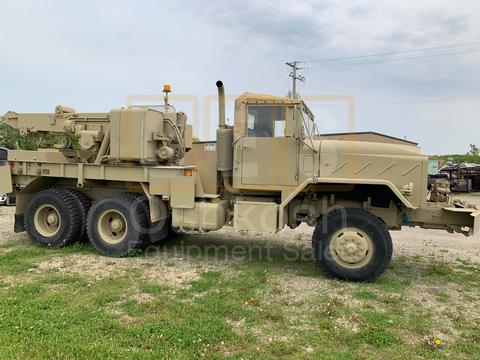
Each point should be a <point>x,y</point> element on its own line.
<point>293,74</point>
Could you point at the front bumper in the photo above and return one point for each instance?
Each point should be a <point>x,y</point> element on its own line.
<point>450,218</point>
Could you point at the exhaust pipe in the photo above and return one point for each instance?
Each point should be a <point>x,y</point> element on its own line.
<point>224,134</point>
<point>224,144</point>
<point>221,105</point>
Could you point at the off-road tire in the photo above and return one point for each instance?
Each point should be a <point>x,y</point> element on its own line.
<point>159,230</point>
<point>84,203</point>
<point>333,222</point>
<point>68,214</point>
<point>136,220</point>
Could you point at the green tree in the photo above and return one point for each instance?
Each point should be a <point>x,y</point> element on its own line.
<point>11,138</point>
<point>472,156</point>
<point>474,151</point>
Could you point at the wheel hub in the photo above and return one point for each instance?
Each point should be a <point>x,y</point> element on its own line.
<point>47,220</point>
<point>52,219</point>
<point>351,247</point>
<point>116,225</point>
<point>112,226</point>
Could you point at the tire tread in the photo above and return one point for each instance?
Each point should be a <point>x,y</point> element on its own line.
<point>354,213</point>
<point>84,203</point>
<point>140,216</point>
<point>69,206</point>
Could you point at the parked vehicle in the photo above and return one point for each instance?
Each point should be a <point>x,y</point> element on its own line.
<point>3,199</point>
<point>433,178</point>
<point>121,182</point>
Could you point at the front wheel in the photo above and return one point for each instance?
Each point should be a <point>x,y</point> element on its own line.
<point>352,244</point>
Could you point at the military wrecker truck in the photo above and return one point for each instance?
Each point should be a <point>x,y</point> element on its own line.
<point>117,178</point>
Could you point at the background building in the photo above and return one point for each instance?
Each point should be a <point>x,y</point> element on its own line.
<point>433,165</point>
<point>369,136</point>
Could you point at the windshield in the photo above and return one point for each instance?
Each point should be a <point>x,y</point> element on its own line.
<point>309,124</point>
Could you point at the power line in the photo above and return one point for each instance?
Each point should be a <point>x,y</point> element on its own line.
<point>295,64</point>
<point>391,53</point>
<point>473,99</point>
<point>422,101</point>
<point>394,59</point>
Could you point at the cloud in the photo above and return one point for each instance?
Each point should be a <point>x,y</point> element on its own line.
<point>93,54</point>
<point>278,24</point>
<point>427,27</point>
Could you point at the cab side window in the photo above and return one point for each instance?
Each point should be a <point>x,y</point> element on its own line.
<point>266,120</point>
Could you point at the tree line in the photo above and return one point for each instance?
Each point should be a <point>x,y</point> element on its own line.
<point>472,156</point>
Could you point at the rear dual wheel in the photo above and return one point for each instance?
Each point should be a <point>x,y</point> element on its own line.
<point>118,224</point>
<point>160,229</point>
<point>83,203</point>
<point>56,217</point>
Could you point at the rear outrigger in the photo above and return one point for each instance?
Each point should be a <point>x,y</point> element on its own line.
<point>117,178</point>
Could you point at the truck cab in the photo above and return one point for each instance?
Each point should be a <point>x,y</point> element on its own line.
<point>266,142</point>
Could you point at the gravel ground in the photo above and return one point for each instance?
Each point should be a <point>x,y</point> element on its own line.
<point>6,225</point>
<point>422,300</point>
<point>408,242</point>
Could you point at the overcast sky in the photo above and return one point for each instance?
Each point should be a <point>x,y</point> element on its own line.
<point>93,54</point>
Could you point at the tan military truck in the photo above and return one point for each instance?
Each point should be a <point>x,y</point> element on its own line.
<point>116,178</point>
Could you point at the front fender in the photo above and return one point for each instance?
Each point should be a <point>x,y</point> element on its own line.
<point>309,181</point>
<point>380,182</point>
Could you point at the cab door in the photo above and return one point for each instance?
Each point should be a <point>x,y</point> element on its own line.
<point>269,152</point>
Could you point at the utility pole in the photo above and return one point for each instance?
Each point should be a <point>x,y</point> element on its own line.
<point>295,77</point>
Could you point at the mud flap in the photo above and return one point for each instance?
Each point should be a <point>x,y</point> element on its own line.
<point>19,223</point>
<point>5,179</point>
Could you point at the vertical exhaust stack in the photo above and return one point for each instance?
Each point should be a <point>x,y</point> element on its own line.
<point>221,105</point>
<point>224,135</point>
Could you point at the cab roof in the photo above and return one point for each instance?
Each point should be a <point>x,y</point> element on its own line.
<point>249,97</point>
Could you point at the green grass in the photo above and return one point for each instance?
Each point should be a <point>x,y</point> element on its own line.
<point>254,309</point>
